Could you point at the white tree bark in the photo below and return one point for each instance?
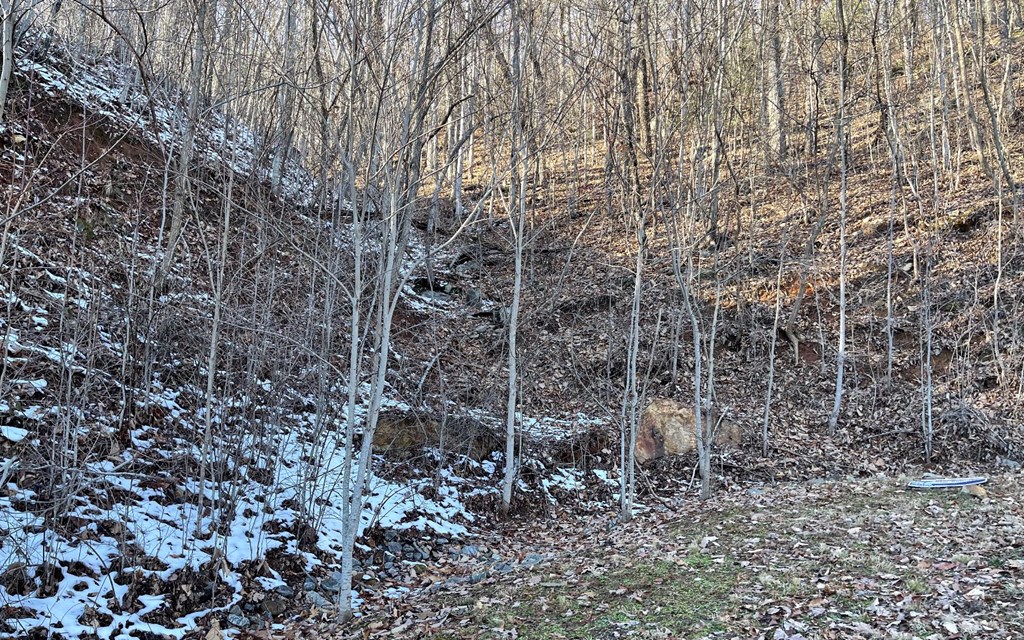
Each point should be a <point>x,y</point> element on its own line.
<point>7,26</point>
<point>517,209</point>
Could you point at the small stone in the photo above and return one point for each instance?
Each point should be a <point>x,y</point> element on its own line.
<point>315,599</point>
<point>394,548</point>
<point>285,591</point>
<point>332,584</point>
<point>309,584</point>
<point>237,621</point>
<point>235,610</point>
<point>275,606</point>
<point>390,535</point>
<point>442,541</point>
<point>503,567</point>
<point>478,577</point>
<point>532,560</point>
<point>470,550</point>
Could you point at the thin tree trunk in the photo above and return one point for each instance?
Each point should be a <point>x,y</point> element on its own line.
<point>7,25</point>
<point>833,418</point>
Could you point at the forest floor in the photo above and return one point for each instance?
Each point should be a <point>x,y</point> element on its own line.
<point>797,557</point>
<point>820,559</point>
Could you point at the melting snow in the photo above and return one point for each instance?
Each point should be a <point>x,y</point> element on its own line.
<point>14,434</point>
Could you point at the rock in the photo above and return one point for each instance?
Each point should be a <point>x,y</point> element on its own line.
<point>470,550</point>
<point>478,577</point>
<point>275,606</point>
<point>667,429</point>
<point>238,621</point>
<point>975,490</point>
<point>394,548</point>
<point>285,591</point>
<point>532,560</point>
<point>235,610</point>
<point>332,584</point>
<point>1010,464</point>
<point>309,584</point>
<point>441,541</point>
<point>390,535</point>
<point>315,599</point>
<point>504,567</point>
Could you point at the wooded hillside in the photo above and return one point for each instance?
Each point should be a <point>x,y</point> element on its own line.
<point>302,299</point>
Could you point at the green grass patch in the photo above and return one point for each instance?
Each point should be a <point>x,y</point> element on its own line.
<point>680,598</point>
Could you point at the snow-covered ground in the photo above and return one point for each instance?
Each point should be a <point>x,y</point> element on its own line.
<point>108,533</point>
<point>107,89</point>
<point>127,516</point>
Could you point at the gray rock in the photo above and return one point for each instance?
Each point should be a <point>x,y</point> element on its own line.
<point>470,550</point>
<point>275,606</point>
<point>315,599</point>
<point>504,567</point>
<point>285,591</point>
<point>532,560</point>
<point>235,611</point>
<point>237,621</point>
<point>332,584</point>
<point>309,584</point>
<point>478,577</point>
<point>441,541</point>
<point>395,548</point>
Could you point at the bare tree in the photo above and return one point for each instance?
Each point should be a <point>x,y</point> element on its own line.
<point>517,219</point>
<point>7,19</point>
<point>841,134</point>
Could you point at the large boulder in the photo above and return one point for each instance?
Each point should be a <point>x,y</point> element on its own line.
<point>403,434</point>
<point>667,429</point>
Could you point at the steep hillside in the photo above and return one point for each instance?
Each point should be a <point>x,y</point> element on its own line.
<point>172,449</point>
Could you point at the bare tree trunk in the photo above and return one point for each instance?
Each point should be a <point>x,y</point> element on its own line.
<point>520,162</point>
<point>182,185</point>
<point>776,88</point>
<point>927,426</point>
<point>631,393</point>
<point>765,442</point>
<point>206,461</point>
<point>7,26</point>
<point>833,418</point>
<point>285,101</point>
